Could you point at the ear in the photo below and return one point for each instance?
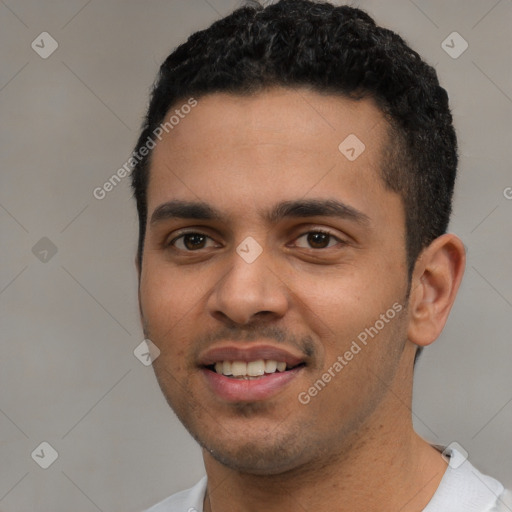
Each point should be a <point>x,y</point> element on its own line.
<point>436,278</point>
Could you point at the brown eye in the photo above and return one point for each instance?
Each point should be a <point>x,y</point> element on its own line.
<point>190,241</point>
<point>319,240</point>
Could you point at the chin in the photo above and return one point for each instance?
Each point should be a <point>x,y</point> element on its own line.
<point>256,458</point>
<point>251,444</point>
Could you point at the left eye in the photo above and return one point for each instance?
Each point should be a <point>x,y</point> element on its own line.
<point>319,240</point>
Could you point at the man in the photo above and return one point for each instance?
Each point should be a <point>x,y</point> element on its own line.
<point>294,192</point>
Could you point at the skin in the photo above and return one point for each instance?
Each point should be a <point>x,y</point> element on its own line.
<point>354,441</point>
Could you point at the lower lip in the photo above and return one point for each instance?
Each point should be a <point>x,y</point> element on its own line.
<point>241,390</point>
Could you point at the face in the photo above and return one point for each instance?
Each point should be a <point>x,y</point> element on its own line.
<point>271,255</point>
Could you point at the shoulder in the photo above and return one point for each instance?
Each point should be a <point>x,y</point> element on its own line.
<point>504,503</point>
<point>464,488</point>
<point>190,500</point>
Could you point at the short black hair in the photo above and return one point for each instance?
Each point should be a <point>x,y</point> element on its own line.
<point>335,50</point>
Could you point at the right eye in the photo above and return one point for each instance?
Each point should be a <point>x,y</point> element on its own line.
<point>190,241</point>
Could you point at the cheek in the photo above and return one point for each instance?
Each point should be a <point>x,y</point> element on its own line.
<point>345,306</point>
<point>164,310</point>
<point>165,304</point>
<point>167,293</point>
<point>339,296</point>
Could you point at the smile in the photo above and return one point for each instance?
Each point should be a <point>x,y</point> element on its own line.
<point>249,369</point>
<point>240,372</point>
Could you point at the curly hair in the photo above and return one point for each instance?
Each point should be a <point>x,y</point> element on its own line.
<point>331,49</point>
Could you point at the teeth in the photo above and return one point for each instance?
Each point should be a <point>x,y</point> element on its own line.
<point>250,369</point>
<point>226,368</point>
<point>270,366</point>
<point>238,368</point>
<point>256,368</point>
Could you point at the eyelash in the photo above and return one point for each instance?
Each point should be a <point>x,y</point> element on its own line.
<point>321,231</point>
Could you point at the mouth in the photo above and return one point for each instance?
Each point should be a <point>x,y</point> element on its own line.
<point>251,370</point>
<point>253,374</point>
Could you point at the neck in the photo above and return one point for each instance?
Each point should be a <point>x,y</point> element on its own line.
<point>385,467</point>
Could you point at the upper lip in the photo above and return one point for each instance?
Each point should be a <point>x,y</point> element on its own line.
<point>253,353</point>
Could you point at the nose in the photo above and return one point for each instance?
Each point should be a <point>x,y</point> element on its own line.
<point>249,290</point>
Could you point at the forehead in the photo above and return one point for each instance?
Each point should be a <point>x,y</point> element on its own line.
<point>278,144</point>
<point>274,115</point>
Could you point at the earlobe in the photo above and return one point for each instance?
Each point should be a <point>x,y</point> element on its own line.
<point>436,278</point>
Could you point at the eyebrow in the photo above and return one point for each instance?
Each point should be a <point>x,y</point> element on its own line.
<point>179,209</point>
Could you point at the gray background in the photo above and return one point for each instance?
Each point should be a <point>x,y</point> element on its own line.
<point>69,323</point>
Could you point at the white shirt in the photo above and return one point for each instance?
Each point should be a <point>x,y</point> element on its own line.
<point>462,489</point>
